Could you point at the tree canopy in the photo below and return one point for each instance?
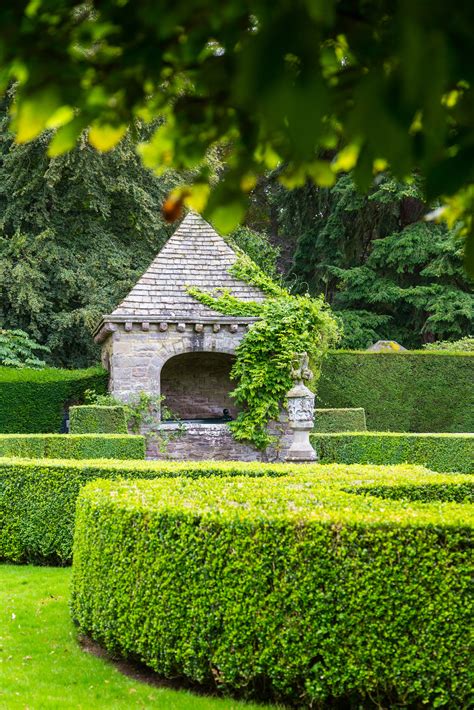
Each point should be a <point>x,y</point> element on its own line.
<point>315,86</point>
<point>387,273</point>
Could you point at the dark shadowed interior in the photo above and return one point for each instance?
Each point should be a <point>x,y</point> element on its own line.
<point>197,385</point>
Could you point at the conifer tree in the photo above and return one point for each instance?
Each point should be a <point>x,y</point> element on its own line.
<point>76,232</point>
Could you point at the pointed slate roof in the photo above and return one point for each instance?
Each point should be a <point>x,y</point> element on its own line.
<point>196,256</point>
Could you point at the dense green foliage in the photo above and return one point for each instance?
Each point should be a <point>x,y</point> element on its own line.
<point>462,345</point>
<point>258,248</point>
<point>17,349</point>
<point>72,446</point>
<point>438,452</point>
<point>76,232</point>
<point>35,400</point>
<point>97,419</point>
<point>38,497</point>
<point>291,585</point>
<point>327,420</point>
<point>289,85</point>
<point>415,391</point>
<point>385,271</point>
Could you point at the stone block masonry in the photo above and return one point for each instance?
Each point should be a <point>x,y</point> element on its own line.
<point>136,360</point>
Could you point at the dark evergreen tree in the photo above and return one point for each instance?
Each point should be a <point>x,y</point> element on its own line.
<point>75,234</point>
<point>387,272</point>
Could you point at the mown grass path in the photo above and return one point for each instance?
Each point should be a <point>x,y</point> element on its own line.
<point>42,665</point>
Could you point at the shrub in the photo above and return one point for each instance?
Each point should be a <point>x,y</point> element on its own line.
<point>410,391</point>
<point>439,452</point>
<point>97,419</point>
<point>327,420</point>
<point>34,400</point>
<point>17,349</point>
<point>38,497</point>
<point>462,345</point>
<point>295,586</point>
<point>72,446</point>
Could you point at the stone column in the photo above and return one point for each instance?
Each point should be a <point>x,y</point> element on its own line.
<point>300,404</point>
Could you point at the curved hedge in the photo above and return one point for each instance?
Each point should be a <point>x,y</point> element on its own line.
<point>72,446</point>
<point>38,498</point>
<point>33,400</point>
<point>409,391</point>
<point>294,586</point>
<point>438,452</point>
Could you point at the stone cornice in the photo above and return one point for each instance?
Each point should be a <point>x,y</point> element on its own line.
<point>110,324</point>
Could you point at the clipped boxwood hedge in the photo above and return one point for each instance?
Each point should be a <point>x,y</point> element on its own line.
<point>72,446</point>
<point>327,420</point>
<point>438,452</point>
<point>34,400</point>
<point>294,586</point>
<point>97,419</point>
<point>411,391</point>
<point>38,497</point>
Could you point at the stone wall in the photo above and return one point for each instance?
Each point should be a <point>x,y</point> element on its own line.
<point>197,385</point>
<point>213,442</point>
<point>138,351</point>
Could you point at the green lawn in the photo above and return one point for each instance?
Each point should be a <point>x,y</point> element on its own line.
<point>42,665</point>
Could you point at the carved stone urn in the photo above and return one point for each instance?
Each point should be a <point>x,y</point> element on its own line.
<point>300,405</point>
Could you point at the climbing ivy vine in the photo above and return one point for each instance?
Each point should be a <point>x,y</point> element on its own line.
<point>286,325</point>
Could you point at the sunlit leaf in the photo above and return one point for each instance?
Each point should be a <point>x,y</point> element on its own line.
<point>228,217</point>
<point>321,173</point>
<point>380,165</point>
<point>31,115</point>
<point>62,115</point>
<point>65,138</point>
<point>104,137</point>
<point>197,197</point>
<point>158,153</point>
<point>346,159</point>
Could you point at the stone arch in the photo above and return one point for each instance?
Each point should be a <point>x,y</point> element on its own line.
<point>196,384</point>
<point>189,342</point>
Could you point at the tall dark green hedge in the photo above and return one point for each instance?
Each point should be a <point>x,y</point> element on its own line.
<point>410,391</point>
<point>293,586</point>
<point>32,401</point>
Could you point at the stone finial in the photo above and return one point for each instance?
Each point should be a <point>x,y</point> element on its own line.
<point>300,405</point>
<point>300,370</point>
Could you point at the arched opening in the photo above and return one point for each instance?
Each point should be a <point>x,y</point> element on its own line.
<point>197,385</point>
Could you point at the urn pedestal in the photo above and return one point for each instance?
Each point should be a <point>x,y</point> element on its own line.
<point>300,404</point>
